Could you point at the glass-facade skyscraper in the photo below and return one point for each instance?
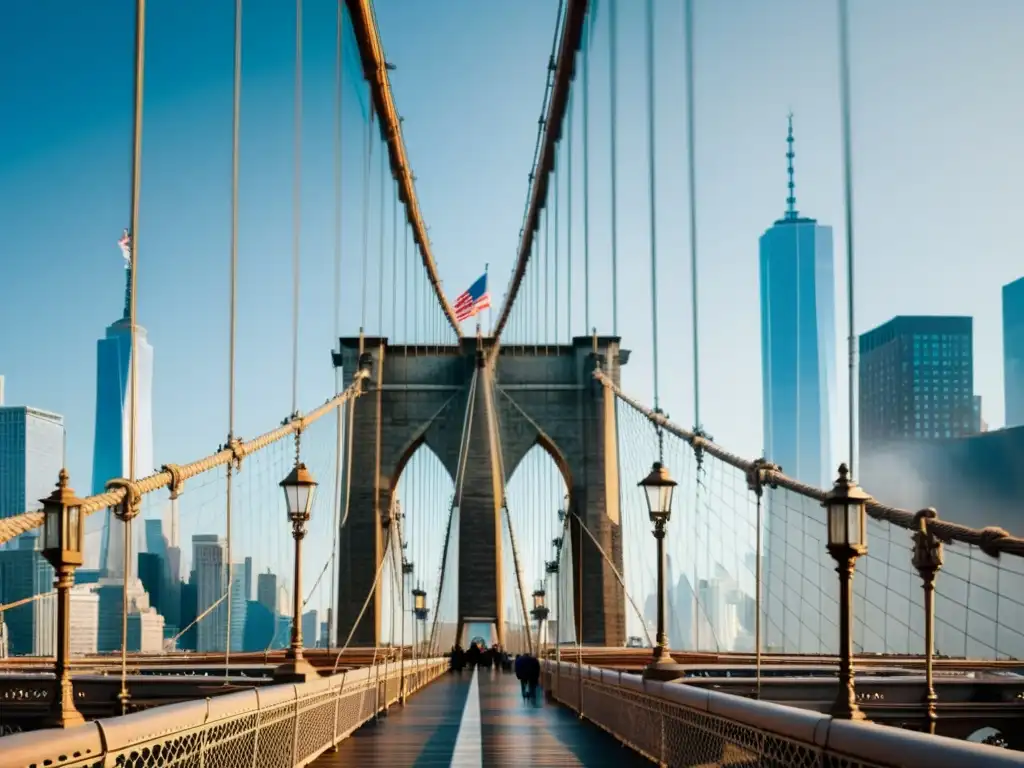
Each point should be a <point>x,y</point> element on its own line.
<point>113,404</point>
<point>798,342</point>
<point>31,456</point>
<point>798,386</point>
<point>917,381</point>
<point>1013,351</point>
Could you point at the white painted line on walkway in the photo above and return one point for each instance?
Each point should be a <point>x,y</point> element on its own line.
<point>469,743</point>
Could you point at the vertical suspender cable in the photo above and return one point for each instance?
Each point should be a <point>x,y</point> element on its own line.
<point>338,373</point>
<point>652,186</point>
<point>416,302</point>
<point>140,51</point>
<point>380,261</point>
<point>394,262</point>
<point>568,234</point>
<point>692,162</point>
<point>586,187</point>
<point>297,206</point>
<point>614,101</point>
<point>366,218</point>
<point>557,193</point>
<point>405,289</point>
<point>543,281</point>
<point>232,308</point>
<point>844,89</point>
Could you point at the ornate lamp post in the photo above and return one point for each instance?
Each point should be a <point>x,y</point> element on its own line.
<point>659,486</point>
<point>540,613</point>
<point>847,540</point>
<point>299,489</point>
<point>63,539</point>
<point>419,609</point>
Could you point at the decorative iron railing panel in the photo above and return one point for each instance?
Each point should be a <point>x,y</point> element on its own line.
<point>280,726</point>
<point>679,725</point>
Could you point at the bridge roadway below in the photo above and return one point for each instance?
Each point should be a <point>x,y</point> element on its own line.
<point>479,718</point>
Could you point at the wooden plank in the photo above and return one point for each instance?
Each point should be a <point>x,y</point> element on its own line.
<point>515,733</point>
<point>422,733</point>
<point>540,733</point>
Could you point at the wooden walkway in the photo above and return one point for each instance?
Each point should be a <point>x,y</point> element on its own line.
<point>502,731</point>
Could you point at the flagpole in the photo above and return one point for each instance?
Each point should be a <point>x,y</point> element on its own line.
<point>490,309</point>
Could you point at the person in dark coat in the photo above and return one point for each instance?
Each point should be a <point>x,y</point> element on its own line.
<point>521,669</point>
<point>458,658</point>
<point>473,655</point>
<point>532,671</point>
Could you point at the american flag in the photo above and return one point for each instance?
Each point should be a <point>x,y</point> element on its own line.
<point>125,244</point>
<point>473,300</point>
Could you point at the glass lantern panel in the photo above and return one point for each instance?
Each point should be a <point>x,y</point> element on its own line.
<point>854,524</point>
<point>305,498</point>
<point>291,496</point>
<point>837,523</point>
<point>51,534</point>
<point>72,540</point>
<point>653,499</point>
<point>666,498</point>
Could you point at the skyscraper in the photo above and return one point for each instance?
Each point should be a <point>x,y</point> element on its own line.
<point>248,579</point>
<point>113,419</point>
<point>1013,351</point>
<point>798,341</point>
<point>208,560</point>
<point>24,572</point>
<point>798,387</point>
<point>31,455</point>
<point>266,590</point>
<point>917,381</point>
<point>209,553</point>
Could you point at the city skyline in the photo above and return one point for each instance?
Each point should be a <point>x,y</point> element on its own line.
<point>901,245</point>
<point>195,103</point>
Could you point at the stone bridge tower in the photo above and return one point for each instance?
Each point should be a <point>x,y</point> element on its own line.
<point>532,394</point>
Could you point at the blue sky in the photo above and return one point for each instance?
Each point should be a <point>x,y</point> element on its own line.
<point>936,151</point>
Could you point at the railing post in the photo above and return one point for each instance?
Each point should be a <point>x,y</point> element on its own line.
<point>295,729</point>
<point>376,687</point>
<point>256,731</point>
<point>928,560</point>
<point>337,708</point>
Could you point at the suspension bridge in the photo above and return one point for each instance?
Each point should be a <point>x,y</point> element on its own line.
<point>488,485</point>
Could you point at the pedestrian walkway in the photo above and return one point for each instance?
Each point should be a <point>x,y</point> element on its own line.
<point>478,718</point>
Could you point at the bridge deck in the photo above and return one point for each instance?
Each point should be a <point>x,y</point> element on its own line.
<point>444,725</point>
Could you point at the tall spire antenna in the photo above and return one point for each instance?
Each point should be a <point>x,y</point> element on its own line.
<point>125,244</point>
<point>791,212</point>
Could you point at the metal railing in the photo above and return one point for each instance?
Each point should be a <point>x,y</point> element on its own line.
<point>281,726</point>
<point>679,725</point>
